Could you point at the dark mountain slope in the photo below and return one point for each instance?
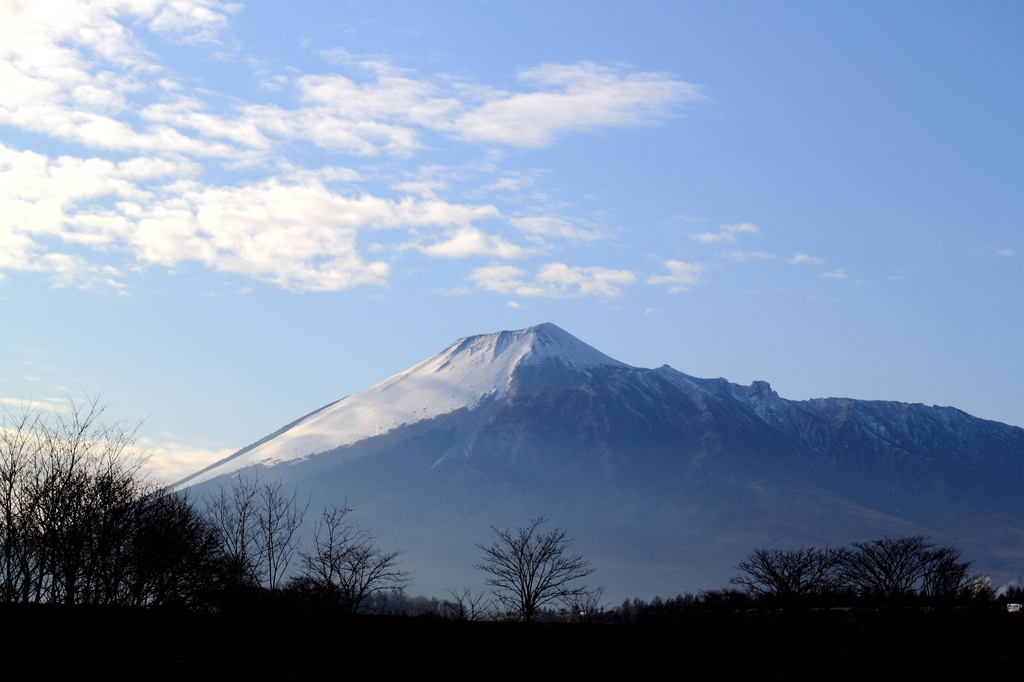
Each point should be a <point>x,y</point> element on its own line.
<point>666,480</point>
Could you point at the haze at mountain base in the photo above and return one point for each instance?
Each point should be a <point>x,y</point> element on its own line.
<point>665,481</point>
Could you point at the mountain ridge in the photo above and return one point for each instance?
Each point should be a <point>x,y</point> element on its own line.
<point>670,478</point>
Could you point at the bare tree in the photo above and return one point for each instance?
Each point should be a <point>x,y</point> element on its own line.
<point>19,461</point>
<point>892,568</point>
<point>887,568</point>
<point>789,574</point>
<point>346,565</point>
<point>176,556</point>
<point>278,518</point>
<point>529,568</point>
<point>232,511</point>
<point>69,490</point>
<point>80,525</point>
<point>587,606</point>
<point>258,522</point>
<point>947,577</point>
<point>464,604</point>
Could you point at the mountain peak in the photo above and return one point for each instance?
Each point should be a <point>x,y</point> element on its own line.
<point>470,371</point>
<point>531,346</point>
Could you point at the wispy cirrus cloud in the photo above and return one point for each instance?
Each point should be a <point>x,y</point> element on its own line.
<point>682,276</point>
<point>741,256</point>
<point>725,233</point>
<point>553,226</point>
<point>468,241</point>
<point>572,98</point>
<point>805,259</point>
<point>553,280</point>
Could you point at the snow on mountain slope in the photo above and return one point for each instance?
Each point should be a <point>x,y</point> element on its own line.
<point>469,371</point>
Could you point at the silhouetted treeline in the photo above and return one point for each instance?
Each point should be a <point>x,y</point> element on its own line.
<point>79,526</point>
<point>888,572</point>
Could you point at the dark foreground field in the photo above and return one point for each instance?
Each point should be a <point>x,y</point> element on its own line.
<point>129,643</point>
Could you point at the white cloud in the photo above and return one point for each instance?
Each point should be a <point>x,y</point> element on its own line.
<point>553,280</point>
<point>423,188</point>
<point>469,241</point>
<point>553,226</point>
<point>71,270</point>
<point>593,281</point>
<point>835,274</point>
<point>682,276</point>
<point>194,21</point>
<point>20,406</point>
<point>389,112</point>
<point>48,203</point>
<point>1005,252</point>
<point>575,97</point>
<point>747,255</point>
<point>504,279</point>
<point>292,230</point>
<point>79,71</point>
<point>427,181</point>
<point>391,96</point>
<point>509,183</point>
<point>89,73</point>
<point>804,259</point>
<point>711,237</point>
<point>741,228</point>
<point>299,236</point>
<point>171,462</point>
<point>70,69</point>
<point>726,233</point>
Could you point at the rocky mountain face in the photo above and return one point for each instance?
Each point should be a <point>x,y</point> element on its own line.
<point>665,480</point>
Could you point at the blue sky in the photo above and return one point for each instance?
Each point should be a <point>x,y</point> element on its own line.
<point>224,216</point>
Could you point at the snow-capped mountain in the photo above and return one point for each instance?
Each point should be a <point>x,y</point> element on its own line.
<point>470,371</point>
<point>666,480</point>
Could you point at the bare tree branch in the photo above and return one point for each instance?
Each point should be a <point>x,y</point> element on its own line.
<point>892,568</point>
<point>80,525</point>
<point>258,522</point>
<point>790,574</point>
<point>529,568</point>
<point>346,563</point>
<point>465,605</point>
